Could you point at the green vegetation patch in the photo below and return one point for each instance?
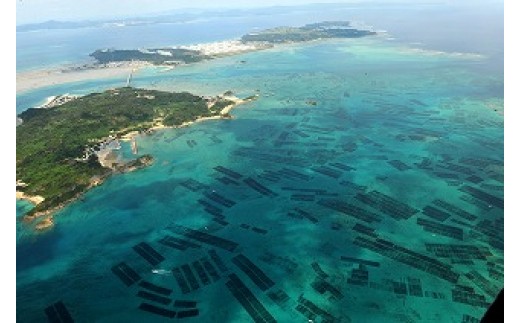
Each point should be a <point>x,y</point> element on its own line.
<point>154,56</point>
<point>50,143</point>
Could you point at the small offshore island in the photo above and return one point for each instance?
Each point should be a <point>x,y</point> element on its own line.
<point>61,150</point>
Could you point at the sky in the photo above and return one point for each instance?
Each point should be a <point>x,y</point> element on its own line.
<point>29,11</point>
<point>32,11</point>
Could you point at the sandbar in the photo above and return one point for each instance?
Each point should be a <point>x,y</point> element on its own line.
<point>31,80</point>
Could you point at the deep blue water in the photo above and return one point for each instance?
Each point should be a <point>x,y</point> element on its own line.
<point>408,127</point>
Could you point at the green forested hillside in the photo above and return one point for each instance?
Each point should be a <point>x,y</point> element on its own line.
<point>50,142</point>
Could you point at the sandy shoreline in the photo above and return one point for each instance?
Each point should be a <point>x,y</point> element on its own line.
<point>26,81</point>
<point>33,199</point>
<point>224,115</point>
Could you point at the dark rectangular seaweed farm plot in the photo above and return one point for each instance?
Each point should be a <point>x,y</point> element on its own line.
<point>157,310</point>
<point>177,243</point>
<point>228,172</point>
<point>127,275</point>
<point>259,230</point>
<point>442,229</point>
<point>181,281</point>
<point>360,261</point>
<point>318,270</point>
<point>210,269</point>
<point>217,198</point>
<point>475,179</point>
<point>363,229</point>
<point>153,297</point>
<point>359,277</point>
<point>399,165</point>
<point>155,288</point>
<point>255,273</point>
<point>386,204</point>
<point>322,286</point>
<point>217,260</point>
<point>415,287</point>
<point>258,187</point>
<point>466,295</point>
<point>270,176</point>
<point>199,269</point>
<point>435,213</point>
<point>306,215</point>
<point>188,313</point>
<point>457,168</point>
<point>455,210</point>
<point>194,185</point>
<point>148,253</point>
<point>353,186</point>
<point>408,257</point>
<point>311,310</point>
<point>483,196</point>
<point>194,284</point>
<point>327,171</point>
<point>227,181</point>
<point>279,297</point>
<point>454,251</point>
<point>446,175</point>
<point>57,313</point>
<point>250,303</point>
<point>204,237</point>
<point>350,210</point>
<point>210,208</point>
<point>272,156</point>
<point>293,175</point>
<point>212,240</point>
<point>342,166</point>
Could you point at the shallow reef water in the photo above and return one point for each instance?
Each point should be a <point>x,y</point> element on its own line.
<point>364,185</point>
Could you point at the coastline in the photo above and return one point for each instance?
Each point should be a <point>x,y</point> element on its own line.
<point>223,115</point>
<point>34,199</point>
<point>46,217</point>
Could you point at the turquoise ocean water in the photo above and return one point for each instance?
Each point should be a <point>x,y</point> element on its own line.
<point>381,202</point>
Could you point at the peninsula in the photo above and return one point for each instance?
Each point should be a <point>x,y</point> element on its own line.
<point>61,149</point>
<point>250,42</point>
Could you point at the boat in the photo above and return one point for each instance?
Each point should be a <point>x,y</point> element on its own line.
<point>161,271</point>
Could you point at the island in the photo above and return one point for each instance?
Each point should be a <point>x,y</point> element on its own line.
<point>64,150</point>
<point>315,31</point>
<point>124,63</point>
<point>160,56</point>
<point>251,42</point>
